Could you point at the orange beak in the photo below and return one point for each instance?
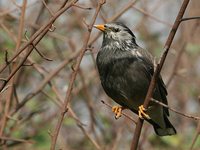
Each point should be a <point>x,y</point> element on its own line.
<point>100,27</point>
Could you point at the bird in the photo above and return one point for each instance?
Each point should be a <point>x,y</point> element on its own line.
<point>125,71</point>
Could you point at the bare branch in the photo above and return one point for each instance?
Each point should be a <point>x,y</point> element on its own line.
<point>40,33</point>
<point>127,116</point>
<point>157,71</point>
<point>16,139</point>
<point>189,18</point>
<point>174,110</point>
<point>73,76</point>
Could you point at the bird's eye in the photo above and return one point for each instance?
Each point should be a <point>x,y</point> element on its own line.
<point>115,29</point>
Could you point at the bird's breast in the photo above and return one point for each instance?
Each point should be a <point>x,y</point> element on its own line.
<point>117,74</point>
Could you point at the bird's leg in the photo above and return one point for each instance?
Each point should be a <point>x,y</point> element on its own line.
<point>141,113</point>
<point>118,111</point>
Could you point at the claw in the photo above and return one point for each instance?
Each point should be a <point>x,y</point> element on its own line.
<point>118,111</point>
<point>142,114</point>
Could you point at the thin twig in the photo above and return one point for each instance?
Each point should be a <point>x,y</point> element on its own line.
<point>190,18</point>
<point>41,55</point>
<point>82,7</point>
<point>73,77</point>
<point>49,10</point>
<point>126,115</point>
<point>45,81</point>
<point>39,35</point>
<point>121,12</point>
<point>89,137</point>
<point>195,137</point>
<point>152,17</point>
<point>16,139</point>
<point>13,10</point>
<point>176,64</point>
<point>174,110</point>
<point>196,134</point>
<point>9,33</point>
<point>10,90</point>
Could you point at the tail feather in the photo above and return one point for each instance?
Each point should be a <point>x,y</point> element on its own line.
<point>169,130</point>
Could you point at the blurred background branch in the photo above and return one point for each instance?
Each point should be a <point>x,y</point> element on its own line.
<point>48,48</point>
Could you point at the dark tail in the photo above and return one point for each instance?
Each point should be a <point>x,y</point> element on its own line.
<point>169,130</point>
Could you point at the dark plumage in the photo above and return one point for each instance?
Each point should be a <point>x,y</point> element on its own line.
<point>125,71</point>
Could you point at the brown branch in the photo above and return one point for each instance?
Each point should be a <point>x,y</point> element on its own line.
<point>180,53</point>
<point>73,77</point>
<point>11,35</point>
<point>190,18</point>
<point>196,136</point>
<point>13,10</point>
<point>16,139</point>
<point>82,7</point>
<point>127,7</point>
<point>11,89</point>
<point>21,25</point>
<point>6,56</point>
<point>116,142</point>
<point>89,101</point>
<point>176,64</point>
<point>39,35</point>
<point>41,32</point>
<point>152,17</point>
<point>89,137</point>
<point>49,10</point>
<point>126,115</point>
<point>44,82</point>
<point>174,110</point>
<point>41,55</point>
<point>168,43</point>
<point>74,116</point>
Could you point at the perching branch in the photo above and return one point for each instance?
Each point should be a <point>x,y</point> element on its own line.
<point>174,110</point>
<point>127,116</point>
<point>157,71</point>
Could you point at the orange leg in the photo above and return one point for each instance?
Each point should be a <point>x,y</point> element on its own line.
<point>141,113</point>
<point>118,111</point>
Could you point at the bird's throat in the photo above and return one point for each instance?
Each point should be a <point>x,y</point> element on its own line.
<point>125,45</point>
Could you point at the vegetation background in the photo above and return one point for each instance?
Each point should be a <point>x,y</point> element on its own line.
<point>32,101</point>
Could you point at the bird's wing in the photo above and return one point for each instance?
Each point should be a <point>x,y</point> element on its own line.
<point>148,66</point>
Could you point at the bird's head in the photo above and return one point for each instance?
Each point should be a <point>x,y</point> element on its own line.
<point>117,34</point>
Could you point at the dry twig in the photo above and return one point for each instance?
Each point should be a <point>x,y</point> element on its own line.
<point>73,76</point>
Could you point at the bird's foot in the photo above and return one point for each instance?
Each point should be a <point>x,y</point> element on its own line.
<point>141,113</point>
<point>118,111</point>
